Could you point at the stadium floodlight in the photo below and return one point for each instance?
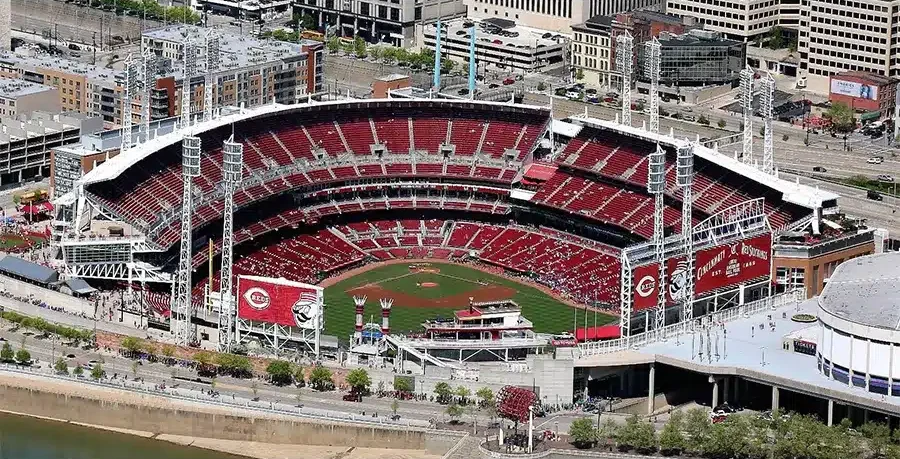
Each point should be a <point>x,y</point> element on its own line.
<point>212,65</point>
<point>767,107</point>
<point>652,57</point>
<point>685,179</point>
<point>149,75</point>
<point>189,51</point>
<point>182,309</point>
<point>656,182</point>
<point>747,76</point>
<point>132,82</point>
<point>624,61</point>
<point>232,168</point>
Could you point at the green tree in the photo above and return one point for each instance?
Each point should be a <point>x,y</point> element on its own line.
<point>359,47</point>
<point>395,405</point>
<point>703,120</point>
<point>236,365</point>
<point>320,379</point>
<point>97,372</point>
<point>697,427</point>
<point>134,369</point>
<point>376,52</point>
<point>23,357</point>
<point>541,86</point>
<point>359,381</point>
<point>637,434</point>
<point>841,117</point>
<point>671,438</point>
<point>582,433</point>
<point>454,411</point>
<point>608,432</point>
<point>333,44</point>
<point>6,352</point>
<point>131,345</point>
<point>61,367</point>
<point>463,393</point>
<point>254,387</point>
<point>785,138</point>
<point>280,372</point>
<point>443,392</point>
<point>878,436</point>
<point>579,74</point>
<point>402,384</point>
<point>485,397</point>
<point>78,371</point>
<point>721,124</point>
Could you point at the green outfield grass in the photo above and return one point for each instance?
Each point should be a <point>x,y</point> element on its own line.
<point>548,314</point>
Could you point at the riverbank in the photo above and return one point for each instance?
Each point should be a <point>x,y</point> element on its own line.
<point>225,429</point>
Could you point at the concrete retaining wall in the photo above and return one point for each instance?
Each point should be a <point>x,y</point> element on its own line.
<point>208,425</point>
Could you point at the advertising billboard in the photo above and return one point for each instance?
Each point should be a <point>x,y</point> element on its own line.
<point>854,89</point>
<point>279,301</point>
<point>714,268</point>
<point>734,263</point>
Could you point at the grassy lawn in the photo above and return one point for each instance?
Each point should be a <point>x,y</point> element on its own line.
<point>11,241</point>
<point>547,314</point>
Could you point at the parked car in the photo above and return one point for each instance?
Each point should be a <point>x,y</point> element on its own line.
<point>508,81</point>
<point>819,169</point>
<point>885,178</point>
<point>875,160</point>
<point>352,397</point>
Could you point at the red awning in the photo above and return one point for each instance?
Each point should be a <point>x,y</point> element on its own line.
<point>597,333</point>
<point>37,208</point>
<point>539,171</point>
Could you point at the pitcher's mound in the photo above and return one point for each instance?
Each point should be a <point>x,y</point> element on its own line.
<point>428,284</point>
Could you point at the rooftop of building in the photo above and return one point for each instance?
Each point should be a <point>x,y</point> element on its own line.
<point>39,124</point>
<point>495,30</point>
<point>12,88</point>
<point>866,291</point>
<point>236,50</point>
<point>599,22</point>
<point>33,56</point>
<point>652,16</point>
<point>872,78</point>
<point>695,37</point>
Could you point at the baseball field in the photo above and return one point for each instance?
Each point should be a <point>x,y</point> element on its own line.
<point>427,290</point>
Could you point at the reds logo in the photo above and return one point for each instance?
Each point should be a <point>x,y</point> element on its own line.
<point>645,286</point>
<point>305,307</point>
<point>257,298</point>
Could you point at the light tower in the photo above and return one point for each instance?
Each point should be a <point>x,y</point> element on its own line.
<point>624,61</point>
<point>149,74</point>
<point>181,312</point>
<point>766,103</point>
<point>360,303</point>
<point>386,304</point>
<point>747,101</point>
<point>653,51</point>
<point>437,55</point>
<point>656,184</point>
<point>213,59</point>
<point>232,163</point>
<point>685,179</point>
<point>190,68</point>
<point>132,83</point>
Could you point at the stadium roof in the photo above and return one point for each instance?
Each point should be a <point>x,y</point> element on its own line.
<point>117,165</point>
<point>17,267</point>
<point>865,290</point>
<point>792,192</point>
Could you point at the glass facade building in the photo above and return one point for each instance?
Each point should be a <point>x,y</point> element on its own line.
<point>699,58</point>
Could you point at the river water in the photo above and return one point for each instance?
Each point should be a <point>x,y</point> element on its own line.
<point>29,438</point>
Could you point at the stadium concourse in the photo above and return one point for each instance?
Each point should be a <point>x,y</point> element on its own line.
<point>328,186</point>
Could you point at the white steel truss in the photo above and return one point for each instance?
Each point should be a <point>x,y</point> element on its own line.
<point>149,75</point>
<point>656,184</point>
<point>132,83</point>
<point>653,52</point>
<point>624,61</point>
<point>190,69</point>
<point>182,307</point>
<point>212,65</point>
<point>232,163</point>
<point>685,179</point>
<point>747,76</point>
<point>767,108</point>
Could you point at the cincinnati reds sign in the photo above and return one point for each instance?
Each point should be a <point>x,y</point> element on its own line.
<point>279,301</point>
<point>714,268</point>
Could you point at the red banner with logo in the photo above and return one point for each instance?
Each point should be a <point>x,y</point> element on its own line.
<point>278,302</point>
<point>721,266</point>
<point>734,263</point>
